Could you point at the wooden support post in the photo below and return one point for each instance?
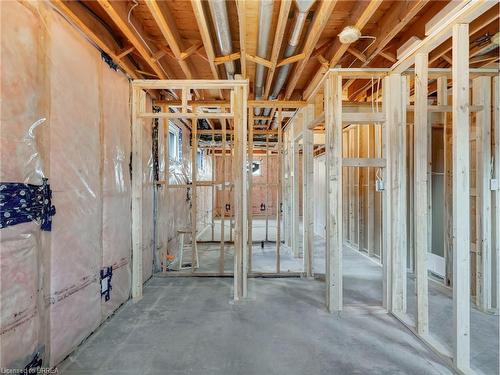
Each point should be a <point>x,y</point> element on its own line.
<point>250,189</point>
<point>308,190</point>
<point>223,200</point>
<point>278,192</point>
<point>370,191</point>
<point>194,192</point>
<point>333,154</point>
<point>294,179</point>
<point>138,105</point>
<point>213,187</point>
<point>461,198</point>
<point>442,100</point>
<point>386,246</point>
<point>496,231</point>
<point>395,249</point>
<point>421,184</point>
<point>481,95</point>
<point>267,188</point>
<point>240,175</point>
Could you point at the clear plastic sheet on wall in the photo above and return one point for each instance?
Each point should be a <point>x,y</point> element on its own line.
<point>75,150</point>
<point>116,215</point>
<point>22,309</point>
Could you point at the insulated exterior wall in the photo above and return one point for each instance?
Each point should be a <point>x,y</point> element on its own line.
<point>116,214</point>
<point>75,152</point>
<point>21,288</point>
<point>50,289</point>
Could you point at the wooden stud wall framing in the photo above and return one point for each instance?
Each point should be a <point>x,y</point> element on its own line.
<point>421,186</point>
<point>308,191</point>
<point>461,187</point>
<point>481,95</point>
<point>333,151</point>
<point>237,112</point>
<point>138,105</point>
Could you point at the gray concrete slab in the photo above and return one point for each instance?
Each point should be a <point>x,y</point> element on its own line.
<point>190,326</point>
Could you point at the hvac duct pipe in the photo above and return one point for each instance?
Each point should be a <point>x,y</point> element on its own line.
<point>218,11</point>
<point>303,8</point>
<point>265,15</point>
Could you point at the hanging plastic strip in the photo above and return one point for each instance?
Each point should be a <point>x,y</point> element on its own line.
<point>22,203</point>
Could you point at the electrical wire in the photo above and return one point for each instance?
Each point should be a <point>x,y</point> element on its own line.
<point>140,36</point>
<point>368,46</point>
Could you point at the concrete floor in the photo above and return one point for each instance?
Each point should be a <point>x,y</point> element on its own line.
<point>190,326</point>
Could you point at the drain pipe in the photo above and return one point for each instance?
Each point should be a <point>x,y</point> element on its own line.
<point>218,11</point>
<point>303,9</point>
<point>265,15</point>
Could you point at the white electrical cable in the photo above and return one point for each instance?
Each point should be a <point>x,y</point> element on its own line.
<point>368,46</point>
<point>140,36</point>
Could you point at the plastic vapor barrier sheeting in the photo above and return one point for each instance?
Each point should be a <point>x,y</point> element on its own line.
<point>65,118</point>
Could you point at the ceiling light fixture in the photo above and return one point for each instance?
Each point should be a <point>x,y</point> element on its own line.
<point>350,34</point>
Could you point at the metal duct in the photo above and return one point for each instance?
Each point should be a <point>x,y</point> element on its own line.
<point>265,17</point>
<point>218,11</point>
<point>303,8</point>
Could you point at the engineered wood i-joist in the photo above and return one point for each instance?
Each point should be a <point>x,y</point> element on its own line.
<point>461,198</point>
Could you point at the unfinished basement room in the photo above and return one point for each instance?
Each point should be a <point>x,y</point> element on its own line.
<point>249,187</point>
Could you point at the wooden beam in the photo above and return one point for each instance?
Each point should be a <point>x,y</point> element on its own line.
<point>166,24</point>
<point>476,25</point>
<point>421,184</point>
<point>96,32</point>
<point>466,14</point>
<point>461,198</point>
<point>333,152</point>
<point>117,13</point>
<point>278,39</point>
<point>396,20</point>
<point>362,117</point>
<point>191,50</point>
<point>224,59</point>
<point>481,95</point>
<point>291,59</point>
<point>321,17</point>
<point>357,54</point>
<point>359,19</point>
<point>388,56</point>
<point>259,60</point>
<point>201,20</point>
<point>124,52</point>
<point>364,162</point>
